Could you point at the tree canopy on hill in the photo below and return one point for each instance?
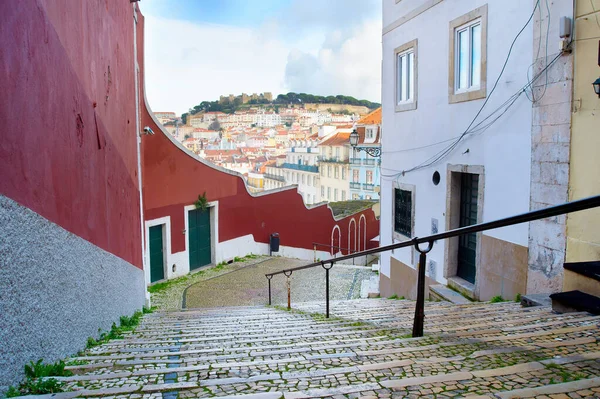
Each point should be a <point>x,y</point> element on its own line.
<point>303,98</point>
<point>282,99</point>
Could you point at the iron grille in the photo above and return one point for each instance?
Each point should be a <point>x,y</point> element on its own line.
<point>403,212</point>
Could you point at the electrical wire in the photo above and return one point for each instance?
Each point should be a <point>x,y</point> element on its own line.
<point>537,57</point>
<point>478,128</point>
<point>595,12</point>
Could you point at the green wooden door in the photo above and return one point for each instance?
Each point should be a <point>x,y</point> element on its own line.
<point>157,269</point>
<point>199,231</point>
<point>467,243</point>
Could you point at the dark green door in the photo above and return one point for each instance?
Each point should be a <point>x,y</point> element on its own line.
<point>467,243</point>
<point>157,270</point>
<point>199,228</point>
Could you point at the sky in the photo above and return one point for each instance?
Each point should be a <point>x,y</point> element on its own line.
<point>197,50</point>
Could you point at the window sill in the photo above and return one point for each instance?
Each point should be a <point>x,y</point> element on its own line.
<point>463,96</point>
<point>401,237</point>
<point>408,106</point>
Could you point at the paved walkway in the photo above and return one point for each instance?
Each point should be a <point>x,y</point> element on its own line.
<point>249,286</point>
<point>478,350</point>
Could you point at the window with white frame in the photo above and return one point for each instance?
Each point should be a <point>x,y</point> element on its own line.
<point>336,171</point>
<point>322,191</point>
<point>355,175</point>
<point>343,195</point>
<point>335,194</point>
<point>343,173</point>
<point>370,133</point>
<point>468,56</point>
<point>405,76</point>
<point>405,79</point>
<point>369,177</point>
<point>328,193</point>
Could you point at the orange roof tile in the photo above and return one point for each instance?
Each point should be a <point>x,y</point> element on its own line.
<point>374,118</point>
<point>337,139</point>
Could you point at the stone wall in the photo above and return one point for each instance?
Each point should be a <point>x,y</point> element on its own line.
<point>56,290</point>
<point>550,142</point>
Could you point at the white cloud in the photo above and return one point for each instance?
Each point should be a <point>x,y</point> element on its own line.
<point>187,63</point>
<point>349,65</point>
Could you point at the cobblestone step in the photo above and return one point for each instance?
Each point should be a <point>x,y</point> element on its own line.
<point>471,350</point>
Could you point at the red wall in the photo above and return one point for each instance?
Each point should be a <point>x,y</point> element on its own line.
<point>173,179</point>
<point>68,139</point>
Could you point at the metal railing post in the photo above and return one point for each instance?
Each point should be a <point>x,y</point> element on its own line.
<point>420,306</point>
<point>315,253</point>
<point>269,279</point>
<point>289,288</point>
<point>327,287</point>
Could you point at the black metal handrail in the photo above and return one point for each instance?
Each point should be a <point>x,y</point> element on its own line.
<point>569,207</point>
<point>316,244</point>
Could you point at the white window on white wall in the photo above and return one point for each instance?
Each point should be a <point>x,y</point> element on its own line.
<point>335,194</point>
<point>343,173</point>
<point>322,191</point>
<point>467,56</point>
<point>405,80</point>
<point>406,71</point>
<point>343,195</point>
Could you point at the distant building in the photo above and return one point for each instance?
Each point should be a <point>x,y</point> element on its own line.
<point>301,168</point>
<point>275,174</point>
<point>334,166</point>
<point>364,168</point>
<point>246,98</point>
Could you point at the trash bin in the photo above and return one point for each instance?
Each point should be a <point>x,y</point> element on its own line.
<point>273,243</point>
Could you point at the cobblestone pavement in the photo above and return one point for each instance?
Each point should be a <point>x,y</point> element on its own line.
<point>249,286</point>
<point>479,350</point>
<point>172,298</point>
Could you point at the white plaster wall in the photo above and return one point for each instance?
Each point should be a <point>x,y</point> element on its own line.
<point>504,149</point>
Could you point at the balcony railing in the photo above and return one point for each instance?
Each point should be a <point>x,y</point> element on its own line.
<point>333,159</point>
<point>368,187</point>
<point>575,206</point>
<point>274,177</point>
<point>305,168</point>
<point>355,161</point>
<point>355,186</point>
<point>369,162</point>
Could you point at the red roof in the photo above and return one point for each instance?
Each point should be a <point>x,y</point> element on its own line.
<point>337,139</point>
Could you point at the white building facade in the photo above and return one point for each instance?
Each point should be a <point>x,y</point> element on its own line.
<point>440,171</point>
<point>334,167</point>
<point>302,168</point>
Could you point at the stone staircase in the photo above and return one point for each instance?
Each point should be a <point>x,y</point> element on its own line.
<point>364,350</point>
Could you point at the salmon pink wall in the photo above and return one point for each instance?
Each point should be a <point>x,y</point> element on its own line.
<point>68,141</point>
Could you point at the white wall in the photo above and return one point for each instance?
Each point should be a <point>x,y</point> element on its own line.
<point>504,149</point>
<point>221,251</point>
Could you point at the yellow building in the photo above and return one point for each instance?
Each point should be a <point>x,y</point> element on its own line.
<point>583,231</point>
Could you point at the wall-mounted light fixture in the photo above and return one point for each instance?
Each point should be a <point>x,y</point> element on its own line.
<point>372,151</point>
<point>596,85</point>
<point>147,131</point>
